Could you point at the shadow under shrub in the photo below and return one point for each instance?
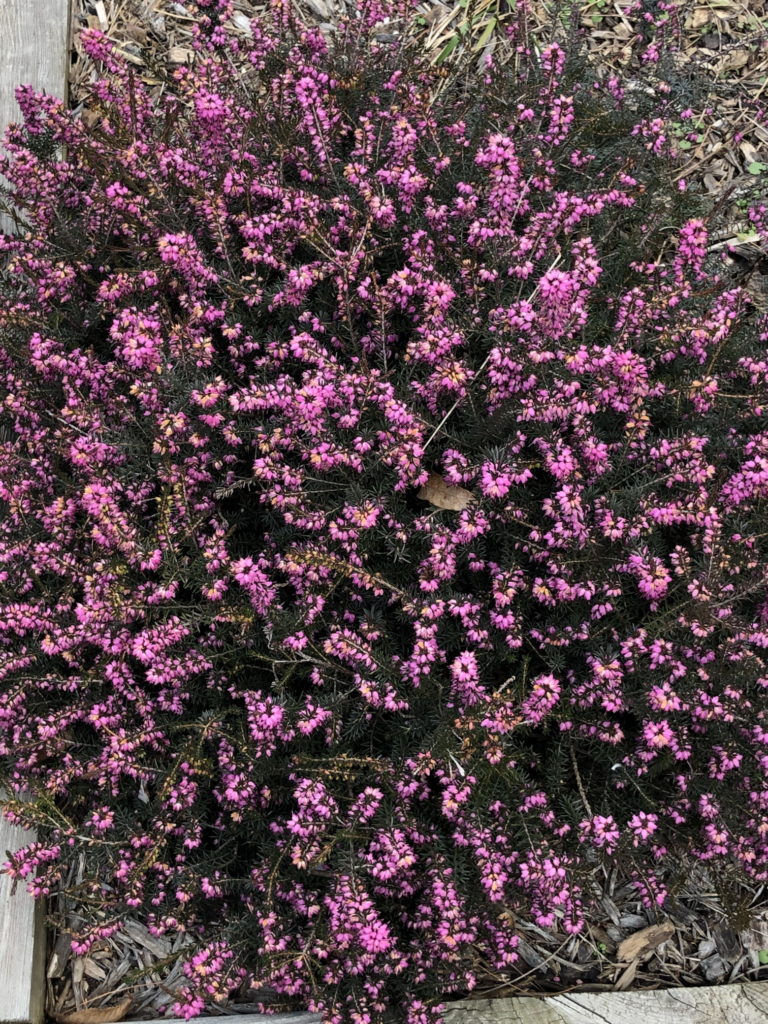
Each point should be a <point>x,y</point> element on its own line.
<point>278,695</point>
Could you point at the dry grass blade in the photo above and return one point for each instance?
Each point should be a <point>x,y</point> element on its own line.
<point>469,24</point>
<point>102,1015</point>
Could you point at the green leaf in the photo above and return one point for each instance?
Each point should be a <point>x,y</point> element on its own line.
<point>756,167</point>
<point>488,32</point>
<point>762,956</point>
<point>684,144</point>
<point>447,50</point>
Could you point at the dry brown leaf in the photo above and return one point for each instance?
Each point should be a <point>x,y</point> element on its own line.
<point>749,152</point>
<point>179,55</point>
<point>699,18</point>
<point>97,1015</point>
<point>645,941</point>
<point>733,61</point>
<point>91,117</point>
<point>444,495</point>
<point>137,34</point>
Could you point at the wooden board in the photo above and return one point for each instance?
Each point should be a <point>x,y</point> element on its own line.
<point>724,1004</point>
<point>22,942</point>
<point>243,1018</point>
<point>34,50</point>
<point>506,1011</point>
<point>718,1004</point>
<point>34,44</point>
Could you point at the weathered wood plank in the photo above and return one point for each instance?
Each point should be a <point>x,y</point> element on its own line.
<point>34,46</point>
<point>246,1018</point>
<point>22,943</point>
<point>720,1004</point>
<point>723,1004</point>
<point>520,1010</point>
<point>34,50</point>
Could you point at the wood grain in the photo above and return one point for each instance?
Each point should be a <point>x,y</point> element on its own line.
<point>245,1018</point>
<point>34,46</point>
<point>724,1004</point>
<point>504,1011</point>
<point>34,50</point>
<point>22,942</point>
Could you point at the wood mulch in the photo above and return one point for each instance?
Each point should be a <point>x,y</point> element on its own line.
<point>722,55</point>
<point>687,943</point>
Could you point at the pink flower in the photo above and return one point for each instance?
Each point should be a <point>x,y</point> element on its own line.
<point>642,826</point>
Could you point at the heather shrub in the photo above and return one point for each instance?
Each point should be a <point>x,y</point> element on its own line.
<point>383,477</point>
